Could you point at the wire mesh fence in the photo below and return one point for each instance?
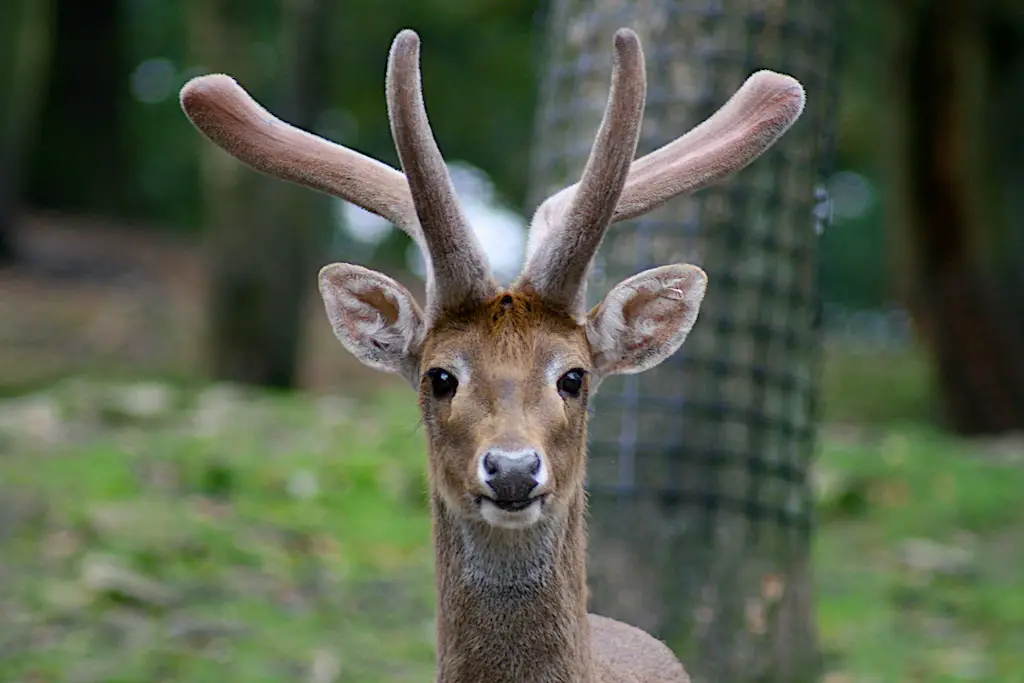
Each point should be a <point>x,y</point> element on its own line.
<point>701,512</point>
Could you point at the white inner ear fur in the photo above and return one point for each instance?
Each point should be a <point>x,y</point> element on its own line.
<point>645,319</point>
<point>375,318</point>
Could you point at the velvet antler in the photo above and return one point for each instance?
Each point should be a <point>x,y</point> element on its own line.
<point>421,202</point>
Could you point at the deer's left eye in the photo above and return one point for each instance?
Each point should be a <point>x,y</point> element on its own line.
<point>571,383</point>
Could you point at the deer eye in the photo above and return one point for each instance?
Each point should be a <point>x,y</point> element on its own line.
<point>442,382</point>
<point>571,383</point>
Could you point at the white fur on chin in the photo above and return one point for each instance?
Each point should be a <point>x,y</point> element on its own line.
<point>506,519</point>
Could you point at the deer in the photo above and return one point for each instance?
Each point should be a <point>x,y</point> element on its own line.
<point>503,374</point>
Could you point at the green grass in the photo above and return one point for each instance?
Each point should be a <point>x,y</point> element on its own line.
<point>920,559</point>
<point>284,537</point>
<point>219,536</point>
<point>876,386</point>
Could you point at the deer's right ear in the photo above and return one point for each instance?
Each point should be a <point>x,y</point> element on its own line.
<point>374,317</point>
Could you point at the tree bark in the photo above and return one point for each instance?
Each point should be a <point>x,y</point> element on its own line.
<point>701,512</point>
<point>953,223</point>
<point>24,52</point>
<point>264,233</point>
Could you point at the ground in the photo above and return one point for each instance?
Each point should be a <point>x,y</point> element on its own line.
<point>150,535</point>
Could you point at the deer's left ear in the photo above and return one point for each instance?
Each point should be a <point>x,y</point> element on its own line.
<point>644,319</point>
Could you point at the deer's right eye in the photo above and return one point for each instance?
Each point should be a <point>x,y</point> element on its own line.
<point>442,382</point>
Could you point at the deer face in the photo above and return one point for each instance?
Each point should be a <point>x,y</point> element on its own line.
<point>503,392</point>
<point>503,376</point>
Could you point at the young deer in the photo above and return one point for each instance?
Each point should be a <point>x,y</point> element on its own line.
<point>504,375</point>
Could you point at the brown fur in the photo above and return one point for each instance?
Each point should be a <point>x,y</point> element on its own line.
<point>512,603</point>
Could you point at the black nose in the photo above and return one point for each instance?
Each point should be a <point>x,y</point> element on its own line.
<point>511,475</point>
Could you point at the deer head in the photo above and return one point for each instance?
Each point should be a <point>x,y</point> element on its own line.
<point>503,375</point>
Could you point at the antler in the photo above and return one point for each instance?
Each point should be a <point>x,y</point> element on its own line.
<point>559,264</point>
<point>421,202</point>
<point>764,108</point>
<point>461,271</point>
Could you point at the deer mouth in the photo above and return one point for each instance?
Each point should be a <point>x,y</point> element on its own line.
<point>511,505</point>
<point>513,514</point>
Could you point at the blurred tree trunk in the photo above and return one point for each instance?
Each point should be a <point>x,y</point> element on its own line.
<point>264,233</point>
<point>958,163</point>
<point>24,55</point>
<point>1004,31</point>
<point>701,511</point>
<point>80,161</point>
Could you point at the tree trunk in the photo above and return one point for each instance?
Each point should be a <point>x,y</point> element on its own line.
<point>24,53</point>
<point>264,233</point>
<point>701,511</point>
<point>954,225</point>
<point>80,161</point>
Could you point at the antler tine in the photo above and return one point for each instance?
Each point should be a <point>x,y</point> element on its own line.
<point>753,119</point>
<point>461,270</point>
<point>571,232</point>
<point>225,113</point>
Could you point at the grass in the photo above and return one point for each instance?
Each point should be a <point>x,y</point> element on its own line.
<point>876,385</point>
<point>919,559</point>
<point>158,534</point>
<point>260,538</point>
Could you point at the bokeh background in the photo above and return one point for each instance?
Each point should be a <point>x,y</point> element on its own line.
<point>197,483</point>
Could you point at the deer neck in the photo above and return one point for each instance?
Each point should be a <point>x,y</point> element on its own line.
<point>512,605</point>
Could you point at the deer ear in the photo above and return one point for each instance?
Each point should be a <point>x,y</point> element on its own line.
<point>643,320</point>
<point>374,317</point>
